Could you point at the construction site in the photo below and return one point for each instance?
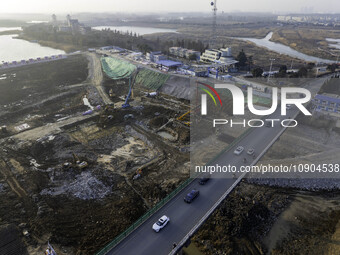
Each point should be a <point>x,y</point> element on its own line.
<point>94,141</point>
<point>86,154</point>
<point>89,148</point>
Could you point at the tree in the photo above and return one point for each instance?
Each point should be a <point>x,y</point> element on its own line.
<point>331,68</point>
<point>310,65</point>
<point>250,61</point>
<point>257,72</point>
<point>242,59</point>
<point>282,71</point>
<point>192,57</point>
<point>303,72</point>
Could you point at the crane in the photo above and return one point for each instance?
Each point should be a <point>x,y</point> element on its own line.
<point>132,79</point>
<point>214,25</point>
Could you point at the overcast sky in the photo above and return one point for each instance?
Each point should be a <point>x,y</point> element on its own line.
<point>73,6</point>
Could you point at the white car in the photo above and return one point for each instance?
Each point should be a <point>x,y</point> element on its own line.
<point>289,106</point>
<point>250,151</point>
<point>238,150</point>
<point>161,223</point>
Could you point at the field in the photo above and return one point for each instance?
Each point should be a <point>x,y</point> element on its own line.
<point>308,40</point>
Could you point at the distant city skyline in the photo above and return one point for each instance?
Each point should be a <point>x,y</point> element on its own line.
<point>74,6</point>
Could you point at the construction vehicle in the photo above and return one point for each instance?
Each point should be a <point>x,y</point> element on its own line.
<point>132,79</point>
<point>106,115</point>
<point>80,164</point>
<point>50,250</point>
<point>185,118</point>
<point>111,92</point>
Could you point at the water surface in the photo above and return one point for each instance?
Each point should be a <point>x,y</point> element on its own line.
<point>283,49</point>
<point>16,49</point>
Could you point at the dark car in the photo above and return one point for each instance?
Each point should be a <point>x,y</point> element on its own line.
<point>204,179</point>
<point>191,195</point>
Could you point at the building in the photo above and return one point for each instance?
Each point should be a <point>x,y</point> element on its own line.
<point>184,53</point>
<point>54,20</point>
<point>71,26</point>
<point>194,71</point>
<point>194,53</point>
<point>155,56</point>
<point>219,56</point>
<point>168,64</point>
<point>327,104</point>
<point>159,57</point>
<point>210,56</point>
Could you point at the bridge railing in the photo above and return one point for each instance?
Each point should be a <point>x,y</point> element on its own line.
<point>160,204</point>
<point>143,218</point>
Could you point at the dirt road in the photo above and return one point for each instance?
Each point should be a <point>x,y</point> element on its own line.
<point>96,76</point>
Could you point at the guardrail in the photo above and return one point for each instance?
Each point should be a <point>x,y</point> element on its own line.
<point>213,208</point>
<point>160,204</point>
<point>143,218</point>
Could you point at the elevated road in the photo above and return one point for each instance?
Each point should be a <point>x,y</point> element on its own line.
<point>185,218</point>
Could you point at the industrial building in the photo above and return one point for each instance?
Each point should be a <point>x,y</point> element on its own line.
<point>197,71</point>
<point>155,56</point>
<point>327,104</point>
<point>167,65</point>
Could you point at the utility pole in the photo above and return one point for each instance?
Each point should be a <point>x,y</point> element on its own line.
<point>270,70</point>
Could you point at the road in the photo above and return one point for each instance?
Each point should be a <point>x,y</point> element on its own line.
<point>184,217</point>
<point>96,76</point>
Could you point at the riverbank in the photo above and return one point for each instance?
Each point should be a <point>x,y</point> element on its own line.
<point>68,48</point>
<point>308,40</point>
<point>10,32</point>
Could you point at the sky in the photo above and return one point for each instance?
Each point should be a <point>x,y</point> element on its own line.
<point>74,6</point>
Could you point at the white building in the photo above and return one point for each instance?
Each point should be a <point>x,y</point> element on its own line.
<point>218,56</point>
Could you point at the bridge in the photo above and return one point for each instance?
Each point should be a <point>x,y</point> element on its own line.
<point>185,219</point>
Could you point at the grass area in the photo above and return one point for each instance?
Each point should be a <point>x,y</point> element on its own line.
<point>18,83</point>
<point>10,32</point>
<point>308,40</point>
<point>61,46</point>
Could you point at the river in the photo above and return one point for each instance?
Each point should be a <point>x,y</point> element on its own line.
<point>16,49</point>
<point>283,49</point>
<point>333,43</point>
<point>138,30</point>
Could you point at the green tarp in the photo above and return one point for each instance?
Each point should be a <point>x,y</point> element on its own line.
<point>116,68</point>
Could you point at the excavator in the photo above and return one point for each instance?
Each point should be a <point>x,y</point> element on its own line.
<point>108,112</point>
<point>184,118</point>
<point>78,163</point>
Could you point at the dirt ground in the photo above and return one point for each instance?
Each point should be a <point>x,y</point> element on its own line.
<point>263,220</point>
<point>282,216</point>
<point>45,196</point>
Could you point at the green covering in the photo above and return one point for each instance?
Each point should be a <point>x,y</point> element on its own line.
<point>116,68</point>
<point>151,79</point>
